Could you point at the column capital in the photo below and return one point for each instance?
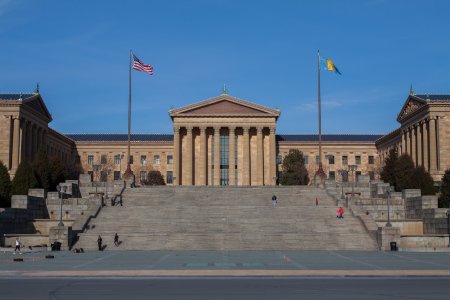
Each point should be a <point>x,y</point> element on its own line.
<point>189,129</point>
<point>246,130</point>
<point>272,129</point>
<point>176,129</point>
<point>217,129</point>
<point>202,129</point>
<point>259,129</point>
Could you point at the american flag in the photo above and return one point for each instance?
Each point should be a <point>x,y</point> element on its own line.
<point>140,66</point>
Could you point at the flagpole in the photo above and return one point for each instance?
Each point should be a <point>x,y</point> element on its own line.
<point>128,171</point>
<point>320,171</point>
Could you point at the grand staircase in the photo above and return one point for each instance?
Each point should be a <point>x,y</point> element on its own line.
<point>226,218</point>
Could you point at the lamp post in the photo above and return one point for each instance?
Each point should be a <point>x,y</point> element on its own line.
<point>96,169</point>
<point>388,196</point>
<point>352,168</point>
<point>61,191</point>
<point>343,173</point>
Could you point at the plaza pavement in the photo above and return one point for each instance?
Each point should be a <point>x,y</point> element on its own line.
<point>224,263</point>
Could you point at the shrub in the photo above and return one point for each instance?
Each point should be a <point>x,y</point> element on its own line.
<point>403,170</point>
<point>421,179</point>
<point>24,179</point>
<point>388,171</point>
<point>41,169</point>
<point>154,178</point>
<point>294,170</point>
<point>444,199</point>
<point>5,186</point>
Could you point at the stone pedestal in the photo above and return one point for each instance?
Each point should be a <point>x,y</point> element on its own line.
<point>386,235</point>
<point>61,235</point>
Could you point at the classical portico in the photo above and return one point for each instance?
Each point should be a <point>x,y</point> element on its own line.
<point>224,141</point>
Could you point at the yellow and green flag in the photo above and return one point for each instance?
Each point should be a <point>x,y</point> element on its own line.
<point>328,65</point>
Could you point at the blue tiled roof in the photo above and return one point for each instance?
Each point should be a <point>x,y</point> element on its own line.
<point>169,137</point>
<point>328,137</point>
<point>120,137</point>
<point>15,96</point>
<point>434,97</point>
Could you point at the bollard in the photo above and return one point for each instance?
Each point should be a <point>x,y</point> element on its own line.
<point>17,259</point>
<point>49,256</point>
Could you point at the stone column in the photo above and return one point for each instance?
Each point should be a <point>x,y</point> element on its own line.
<point>216,156</point>
<point>16,143</point>
<point>29,148</point>
<point>189,157</point>
<point>433,157</point>
<point>408,143</point>
<point>419,145</point>
<point>414,145</point>
<point>273,156</point>
<point>176,156</point>
<point>403,143</point>
<point>203,158</point>
<point>232,157</point>
<point>426,161</point>
<point>246,158</point>
<point>34,142</point>
<point>438,146</point>
<point>22,140</point>
<point>259,156</point>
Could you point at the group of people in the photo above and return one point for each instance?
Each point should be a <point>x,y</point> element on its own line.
<point>100,242</point>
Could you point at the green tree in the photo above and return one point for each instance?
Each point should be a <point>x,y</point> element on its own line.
<point>421,179</point>
<point>58,172</point>
<point>388,171</point>
<point>444,199</point>
<point>5,186</point>
<point>294,170</point>
<point>403,170</point>
<point>154,178</point>
<point>41,169</point>
<point>24,179</point>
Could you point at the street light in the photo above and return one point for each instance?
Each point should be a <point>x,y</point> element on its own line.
<point>343,173</point>
<point>96,169</point>
<point>388,195</point>
<point>352,168</point>
<point>61,191</point>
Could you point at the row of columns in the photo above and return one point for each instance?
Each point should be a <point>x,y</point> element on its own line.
<point>421,142</point>
<point>26,139</point>
<point>202,179</point>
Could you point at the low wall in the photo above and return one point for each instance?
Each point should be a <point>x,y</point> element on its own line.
<point>27,240</point>
<point>406,227</point>
<point>42,226</point>
<point>424,243</point>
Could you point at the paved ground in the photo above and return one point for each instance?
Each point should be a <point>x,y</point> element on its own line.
<point>226,288</point>
<point>229,263</point>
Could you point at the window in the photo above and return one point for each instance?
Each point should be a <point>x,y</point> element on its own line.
<point>131,159</point>
<point>91,174</point>
<point>317,159</point>
<point>169,159</point>
<point>116,175</point>
<point>103,176</point>
<point>357,174</point>
<point>169,177</point>
<point>332,175</point>
<point>143,159</point>
<point>90,160</point>
<point>305,159</point>
<point>279,159</point>
<point>345,177</point>
<point>371,160</point>
<point>103,159</point>
<point>345,160</point>
<point>117,159</point>
<point>331,159</point>
<point>358,159</point>
<point>372,175</point>
<point>156,160</point>
<point>143,176</point>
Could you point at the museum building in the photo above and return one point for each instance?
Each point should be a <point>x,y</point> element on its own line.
<point>223,141</point>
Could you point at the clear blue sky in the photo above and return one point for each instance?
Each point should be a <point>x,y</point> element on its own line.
<point>264,51</point>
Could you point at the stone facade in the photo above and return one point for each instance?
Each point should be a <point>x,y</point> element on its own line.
<point>237,136</point>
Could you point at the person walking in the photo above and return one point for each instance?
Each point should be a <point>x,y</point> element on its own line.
<point>274,201</point>
<point>99,243</point>
<point>317,201</point>
<point>17,246</point>
<point>340,213</point>
<point>116,240</point>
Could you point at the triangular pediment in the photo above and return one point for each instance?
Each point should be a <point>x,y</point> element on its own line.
<point>37,104</point>
<point>411,105</point>
<point>224,105</point>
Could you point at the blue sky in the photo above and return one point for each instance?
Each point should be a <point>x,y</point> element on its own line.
<point>264,51</point>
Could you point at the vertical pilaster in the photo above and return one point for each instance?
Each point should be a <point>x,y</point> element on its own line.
<point>408,141</point>
<point>34,142</point>
<point>414,145</point>
<point>216,156</point>
<point>260,156</point>
<point>403,143</point>
<point>22,140</point>
<point>426,159</point>
<point>246,158</point>
<point>176,156</point>
<point>273,157</point>
<point>433,157</point>
<point>438,146</point>
<point>419,145</point>
<point>29,148</point>
<point>16,143</point>
<point>232,157</point>
<point>203,157</point>
<point>189,157</point>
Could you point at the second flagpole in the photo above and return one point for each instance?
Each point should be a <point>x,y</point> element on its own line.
<point>128,171</point>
